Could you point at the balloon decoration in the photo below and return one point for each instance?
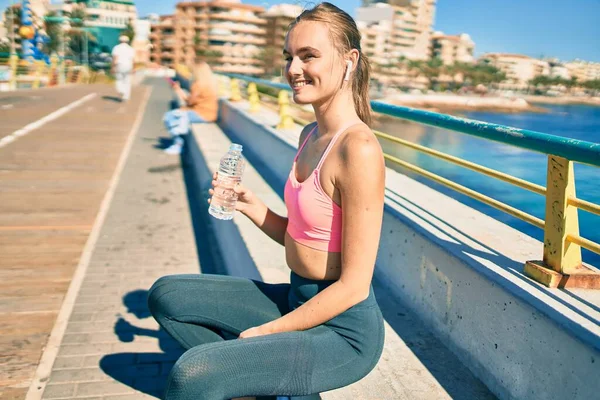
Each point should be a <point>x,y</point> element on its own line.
<point>32,40</point>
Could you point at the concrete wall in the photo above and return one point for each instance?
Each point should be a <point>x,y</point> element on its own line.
<point>461,272</point>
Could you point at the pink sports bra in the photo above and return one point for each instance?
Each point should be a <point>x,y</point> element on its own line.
<point>314,220</point>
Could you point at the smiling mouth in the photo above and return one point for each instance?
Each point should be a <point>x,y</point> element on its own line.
<point>302,83</point>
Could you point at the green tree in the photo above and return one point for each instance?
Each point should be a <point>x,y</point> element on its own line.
<point>484,74</point>
<point>78,18</point>
<point>78,38</point>
<point>129,31</point>
<point>4,47</point>
<point>53,30</point>
<point>430,69</point>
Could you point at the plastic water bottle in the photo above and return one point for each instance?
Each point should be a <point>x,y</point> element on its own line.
<point>231,169</point>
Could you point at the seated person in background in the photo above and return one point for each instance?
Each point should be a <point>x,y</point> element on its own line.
<point>200,105</point>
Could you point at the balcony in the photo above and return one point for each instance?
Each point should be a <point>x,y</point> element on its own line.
<point>238,18</point>
<point>238,39</point>
<point>237,27</point>
<point>239,69</point>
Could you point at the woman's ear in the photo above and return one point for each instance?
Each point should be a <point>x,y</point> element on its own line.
<point>351,61</point>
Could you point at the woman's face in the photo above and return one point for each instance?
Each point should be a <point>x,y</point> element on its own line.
<point>313,67</point>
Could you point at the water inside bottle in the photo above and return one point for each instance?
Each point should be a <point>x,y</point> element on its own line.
<point>222,204</point>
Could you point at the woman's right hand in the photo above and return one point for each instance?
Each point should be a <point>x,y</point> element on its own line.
<point>246,199</point>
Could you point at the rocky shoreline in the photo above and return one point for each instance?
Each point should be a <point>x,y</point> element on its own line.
<point>453,103</point>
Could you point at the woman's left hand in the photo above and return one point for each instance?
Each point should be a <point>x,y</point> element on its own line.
<point>253,332</point>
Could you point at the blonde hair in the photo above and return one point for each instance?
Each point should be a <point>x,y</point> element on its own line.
<point>345,36</point>
<point>203,75</point>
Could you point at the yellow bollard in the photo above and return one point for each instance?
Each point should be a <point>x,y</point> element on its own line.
<point>14,61</point>
<point>53,70</point>
<point>285,119</point>
<point>39,68</point>
<point>222,89</point>
<point>253,98</point>
<point>70,71</point>
<point>235,91</point>
<point>84,75</point>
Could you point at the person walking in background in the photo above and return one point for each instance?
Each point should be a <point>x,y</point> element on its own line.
<point>122,66</point>
<point>200,105</point>
<point>324,329</point>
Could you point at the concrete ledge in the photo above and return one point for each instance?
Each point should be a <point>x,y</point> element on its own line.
<point>223,240</point>
<point>461,272</point>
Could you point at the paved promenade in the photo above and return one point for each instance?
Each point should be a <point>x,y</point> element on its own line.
<point>111,346</point>
<point>59,148</point>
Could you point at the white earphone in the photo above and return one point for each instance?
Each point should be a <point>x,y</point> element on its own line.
<point>348,70</point>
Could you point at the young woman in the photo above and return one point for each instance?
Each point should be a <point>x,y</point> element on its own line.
<point>324,330</point>
<point>200,105</point>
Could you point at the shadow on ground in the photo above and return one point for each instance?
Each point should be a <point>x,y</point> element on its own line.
<point>116,99</point>
<point>145,372</point>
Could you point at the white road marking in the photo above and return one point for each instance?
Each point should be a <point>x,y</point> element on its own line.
<point>40,122</point>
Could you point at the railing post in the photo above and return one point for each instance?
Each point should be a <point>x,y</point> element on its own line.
<point>235,91</point>
<point>561,257</point>
<point>285,119</point>
<point>222,91</point>
<point>53,69</point>
<point>253,98</point>
<point>39,67</point>
<point>14,61</point>
<point>69,71</point>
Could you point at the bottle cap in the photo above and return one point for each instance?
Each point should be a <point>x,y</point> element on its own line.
<point>235,147</point>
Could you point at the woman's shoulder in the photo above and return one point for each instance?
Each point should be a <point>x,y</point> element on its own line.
<point>359,142</point>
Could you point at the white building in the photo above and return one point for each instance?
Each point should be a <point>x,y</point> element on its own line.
<point>141,40</point>
<point>584,70</point>
<point>453,48</point>
<point>519,68</point>
<point>106,19</point>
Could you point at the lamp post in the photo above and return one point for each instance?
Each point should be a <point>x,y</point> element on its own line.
<point>61,75</point>
<point>12,27</point>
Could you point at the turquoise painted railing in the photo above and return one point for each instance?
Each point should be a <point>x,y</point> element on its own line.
<point>562,265</point>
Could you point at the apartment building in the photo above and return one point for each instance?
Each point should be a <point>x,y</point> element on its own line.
<point>278,17</point>
<point>229,35</point>
<point>375,24</point>
<point>519,69</point>
<point>105,19</point>
<point>162,40</point>
<point>141,40</point>
<point>396,30</point>
<point>583,70</point>
<point>409,34</point>
<point>452,49</point>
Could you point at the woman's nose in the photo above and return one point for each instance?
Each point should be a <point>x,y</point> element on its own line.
<point>294,67</point>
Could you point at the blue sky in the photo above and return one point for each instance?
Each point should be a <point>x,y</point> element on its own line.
<point>532,27</point>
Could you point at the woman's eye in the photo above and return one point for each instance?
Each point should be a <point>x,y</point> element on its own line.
<point>309,57</point>
<point>288,59</point>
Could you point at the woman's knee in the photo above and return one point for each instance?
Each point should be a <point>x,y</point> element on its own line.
<point>160,295</point>
<point>196,375</point>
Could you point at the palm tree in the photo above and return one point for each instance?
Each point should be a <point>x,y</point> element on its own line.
<point>129,31</point>
<point>78,36</point>
<point>53,30</point>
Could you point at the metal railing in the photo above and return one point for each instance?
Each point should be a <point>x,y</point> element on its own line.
<point>562,264</point>
<point>19,72</point>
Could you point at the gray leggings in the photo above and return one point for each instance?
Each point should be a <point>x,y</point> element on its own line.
<point>201,311</point>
